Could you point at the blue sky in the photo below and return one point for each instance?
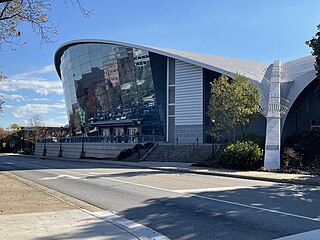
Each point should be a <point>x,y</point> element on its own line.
<point>257,30</point>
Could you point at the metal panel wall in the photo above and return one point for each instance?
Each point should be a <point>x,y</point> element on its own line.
<point>188,94</point>
<point>188,102</point>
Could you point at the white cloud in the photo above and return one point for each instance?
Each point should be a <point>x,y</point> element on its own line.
<point>7,106</point>
<point>62,117</point>
<point>39,85</point>
<point>39,99</point>
<point>54,122</point>
<point>31,109</point>
<point>45,69</point>
<point>20,98</point>
<point>32,81</point>
<point>15,97</point>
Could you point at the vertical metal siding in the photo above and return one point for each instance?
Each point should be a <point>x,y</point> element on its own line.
<point>188,94</point>
<point>170,99</point>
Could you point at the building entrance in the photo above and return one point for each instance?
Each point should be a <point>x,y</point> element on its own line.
<point>132,134</point>
<point>118,133</point>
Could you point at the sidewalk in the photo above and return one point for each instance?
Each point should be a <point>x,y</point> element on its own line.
<point>31,211</point>
<point>304,179</point>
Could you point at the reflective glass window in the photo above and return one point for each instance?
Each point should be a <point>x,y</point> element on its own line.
<point>83,49</point>
<point>85,68</point>
<point>95,54</point>
<point>84,58</point>
<point>106,83</point>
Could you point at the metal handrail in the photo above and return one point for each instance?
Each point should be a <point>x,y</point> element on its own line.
<point>105,139</point>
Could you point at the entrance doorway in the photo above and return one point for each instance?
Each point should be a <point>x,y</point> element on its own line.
<point>106,132</point>
<point>118,133</point>
<point>132,134</point>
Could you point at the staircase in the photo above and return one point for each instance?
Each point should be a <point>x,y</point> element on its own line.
<point>181,153</point>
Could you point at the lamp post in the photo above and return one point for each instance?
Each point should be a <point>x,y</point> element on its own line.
<point>21,142</point>
<point>21,138</point>
<point>60,150</point>
<point>139,127</point>
<point>83,153</point>
<point>44,153</point>
<point>213,140</point>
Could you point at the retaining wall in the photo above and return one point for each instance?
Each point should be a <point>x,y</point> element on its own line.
<point>92,150</point>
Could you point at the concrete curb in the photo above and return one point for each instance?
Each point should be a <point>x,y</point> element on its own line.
<point>290,181</point>
<point>137,230</point>
<point>205,171</point>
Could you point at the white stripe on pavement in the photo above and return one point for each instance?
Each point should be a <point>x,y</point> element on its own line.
<point>311,235</point>
<point>198,196</point>
<point>216,189</point>
<point>10,163</point>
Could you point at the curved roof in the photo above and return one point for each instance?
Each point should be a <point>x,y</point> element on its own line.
<point>229,66</point>
<point>298,67</point>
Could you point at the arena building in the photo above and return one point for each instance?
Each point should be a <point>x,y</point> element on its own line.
<point>120,89</point>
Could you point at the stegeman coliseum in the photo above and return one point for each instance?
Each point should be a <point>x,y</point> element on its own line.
<point>117,88</point>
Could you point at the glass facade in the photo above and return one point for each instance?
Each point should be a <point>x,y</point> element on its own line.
<point>112,88</point>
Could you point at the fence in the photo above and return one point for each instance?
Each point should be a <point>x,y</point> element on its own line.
<point>106,139</point>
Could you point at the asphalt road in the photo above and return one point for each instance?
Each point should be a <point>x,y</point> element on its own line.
<point>180,205</point>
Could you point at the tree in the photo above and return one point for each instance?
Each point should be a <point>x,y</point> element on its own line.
<point>15,127</point>
<point>314,43</point>
<point>13,13</point>
<point>37,125</point>
<point>2,133</point>
<point>9,138</point>
<point>232,104</point>
<point>34,12</point>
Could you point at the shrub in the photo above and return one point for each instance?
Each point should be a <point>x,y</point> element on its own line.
<point>291,159</point>
<point>301,152</point>
<point>259,140</point>
<point>242,155</point>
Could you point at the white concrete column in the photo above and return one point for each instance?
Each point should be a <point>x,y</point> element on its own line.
<point>272,148</point>
<point>273,132</point>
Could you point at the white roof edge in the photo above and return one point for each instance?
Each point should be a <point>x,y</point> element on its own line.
<point>300,66</point>
<point>300,59</point>
<point>182,55</point>
<point>228,66</point>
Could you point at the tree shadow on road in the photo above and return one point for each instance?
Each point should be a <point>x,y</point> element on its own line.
<point>237,214</point>
<point>261,212</point>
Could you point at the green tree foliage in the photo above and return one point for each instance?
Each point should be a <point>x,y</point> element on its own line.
<point>15,127</point>
<point>232,105</point>
<point>314,43</point>
<point>9,138</point>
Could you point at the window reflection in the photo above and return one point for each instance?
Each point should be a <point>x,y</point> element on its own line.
<point>110,87</point>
